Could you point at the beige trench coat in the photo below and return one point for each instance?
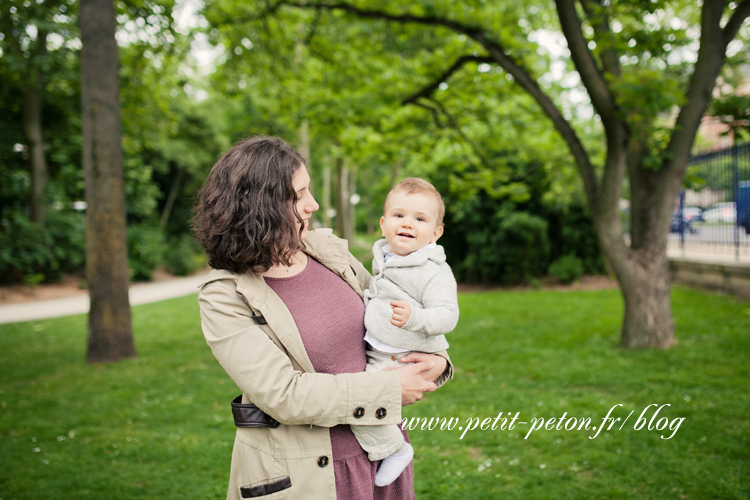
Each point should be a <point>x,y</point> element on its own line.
<point>269,364</point>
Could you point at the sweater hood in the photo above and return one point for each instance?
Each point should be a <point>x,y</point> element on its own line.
<point>436,254</point>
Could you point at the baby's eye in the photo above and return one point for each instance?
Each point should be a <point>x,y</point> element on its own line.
<point>399,216</point>
<point>420,219</point>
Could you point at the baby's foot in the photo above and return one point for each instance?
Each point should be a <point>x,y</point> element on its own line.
<point>393,465</point>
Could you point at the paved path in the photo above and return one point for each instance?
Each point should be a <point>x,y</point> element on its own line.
<point>140,293</point>
<point>143,293</point>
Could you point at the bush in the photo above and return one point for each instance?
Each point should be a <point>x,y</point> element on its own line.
<point>33,254</point>
<point>572,232</point>
<point>506,249</point>
<point>68,233</point>
<point>183,256</point>
<point>523,246</point>
<point>567,268</point>
<point>146,250</point>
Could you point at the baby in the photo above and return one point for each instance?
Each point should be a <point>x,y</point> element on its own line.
<point>411,304</point>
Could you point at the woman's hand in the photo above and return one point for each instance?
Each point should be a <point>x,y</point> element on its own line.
<point>413,385</point>
<point>431,375</point>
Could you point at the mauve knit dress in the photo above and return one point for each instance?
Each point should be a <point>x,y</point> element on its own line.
<point>330,318</point>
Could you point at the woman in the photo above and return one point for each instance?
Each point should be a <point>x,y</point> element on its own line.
<point>282,312</point>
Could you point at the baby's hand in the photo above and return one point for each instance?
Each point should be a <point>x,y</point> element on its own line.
<point>401,312</point>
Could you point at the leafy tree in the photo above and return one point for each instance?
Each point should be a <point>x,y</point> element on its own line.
<point>355,77</point>
<point>35,45</point>
<point>169,138</point>
<point>648,69</point>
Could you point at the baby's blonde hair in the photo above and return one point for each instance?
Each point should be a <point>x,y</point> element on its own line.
<point>412,185</point>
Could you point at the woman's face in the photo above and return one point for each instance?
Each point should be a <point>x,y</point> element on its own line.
<point>306,203</point>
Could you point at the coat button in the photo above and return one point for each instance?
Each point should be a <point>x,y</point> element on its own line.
<point>359,412</point>
<point>322,461</point>
<point>381,413</point>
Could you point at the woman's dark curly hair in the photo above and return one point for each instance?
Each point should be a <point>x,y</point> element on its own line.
<point>246,210</point>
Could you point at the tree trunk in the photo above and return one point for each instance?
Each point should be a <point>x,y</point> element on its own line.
<point>173,191</point>
<point>647,319</point>
<point>395,172</point>
<point>343,206</point>
<point>352,219</point>
<point>31,121</point>
<point>326,201</point>
<point>31,117</point>
<point>644,279</point>
<point>642,268</point>
<point>304,143</point>
<point>110,335</point>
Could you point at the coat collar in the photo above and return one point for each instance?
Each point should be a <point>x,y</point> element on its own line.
<point>321,244</point>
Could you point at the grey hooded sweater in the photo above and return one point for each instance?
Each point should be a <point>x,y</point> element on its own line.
<point>425,281</point>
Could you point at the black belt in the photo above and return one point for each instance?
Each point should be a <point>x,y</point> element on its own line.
<point>249,415</point>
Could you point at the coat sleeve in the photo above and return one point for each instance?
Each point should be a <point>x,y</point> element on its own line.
<point>448,373</point>
<point>262,369</point>
<point>363,276</point>
<point>439,314</point>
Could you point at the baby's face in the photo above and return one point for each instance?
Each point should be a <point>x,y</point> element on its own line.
<point>409,222</point>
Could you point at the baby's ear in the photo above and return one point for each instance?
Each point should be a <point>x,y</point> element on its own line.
<point>437,234</point>
<point>382,221</point>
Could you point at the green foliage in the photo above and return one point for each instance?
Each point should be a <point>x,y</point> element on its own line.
<point>567,268</point>
<point>503,248</point>
<point>68,233</point>
<point>522,247</point>
<point>146,250</point>
<point>24,250</point>
<point>646,93</point>
<point>183,256</point>
<point>33,254</point>
<point>506,220</point>
<point>572,232</point>
<point>167,133</point>
<point>149,247</point>
<point>734,111</point>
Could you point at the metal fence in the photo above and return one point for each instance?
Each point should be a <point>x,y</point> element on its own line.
<point>714,216</point>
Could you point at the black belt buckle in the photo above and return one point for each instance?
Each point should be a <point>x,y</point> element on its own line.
<point>249,415</point>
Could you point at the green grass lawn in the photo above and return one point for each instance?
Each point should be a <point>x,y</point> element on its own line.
<point>159,426</point>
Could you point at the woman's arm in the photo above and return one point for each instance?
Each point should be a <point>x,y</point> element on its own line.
<point>262,369</point>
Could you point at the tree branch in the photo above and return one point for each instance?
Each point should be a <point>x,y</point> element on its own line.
<point>711,57</point>
<point>432,87</point>
<point>313,28</point>
<point>455,126</point>
<point>433,111</point>
<point>600,22</point>
<point>615,128</point>
<point>591,77</point>
<point>739,16</point>
<point>378,14</point>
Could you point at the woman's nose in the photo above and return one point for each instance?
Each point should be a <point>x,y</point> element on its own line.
<point>312,205</point>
